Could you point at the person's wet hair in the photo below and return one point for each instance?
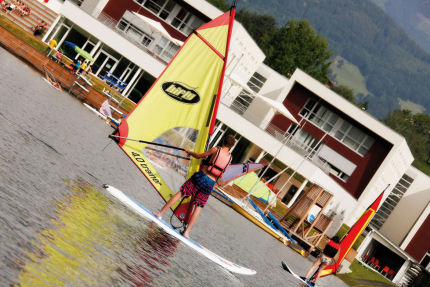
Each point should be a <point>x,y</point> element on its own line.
<point>229,141</point>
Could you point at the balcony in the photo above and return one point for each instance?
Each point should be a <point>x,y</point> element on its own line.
<point>162,56</point>
<point>275,132</point>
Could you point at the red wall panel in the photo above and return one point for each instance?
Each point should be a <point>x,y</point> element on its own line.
<point>420,244</point>
<point>366,166</point>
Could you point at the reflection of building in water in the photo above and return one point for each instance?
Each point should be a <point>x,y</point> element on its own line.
<point>152,249</point>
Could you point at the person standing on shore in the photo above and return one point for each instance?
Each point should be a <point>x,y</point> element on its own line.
<point>52,44</point>
<point>201,183</point>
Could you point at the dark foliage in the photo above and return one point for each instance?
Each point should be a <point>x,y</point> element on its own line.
<point>361,32</point>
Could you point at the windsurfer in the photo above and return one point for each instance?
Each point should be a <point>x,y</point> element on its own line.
<point>201,183</point>
<point>327,255</point>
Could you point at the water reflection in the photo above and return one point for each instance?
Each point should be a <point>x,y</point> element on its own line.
<point>95,241</point>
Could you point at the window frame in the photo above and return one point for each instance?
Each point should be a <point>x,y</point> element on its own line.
<point>141,39</point>
<point>162,8</point>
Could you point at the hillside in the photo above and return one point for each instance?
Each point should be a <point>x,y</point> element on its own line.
<point>413,16</point>
<point>393,65</point>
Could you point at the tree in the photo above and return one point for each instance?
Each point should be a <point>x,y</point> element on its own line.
<point>345,92</point>
<point>415,129</point>
<point>220,4</point>
<point>297,45</point>
<point>257,25</point>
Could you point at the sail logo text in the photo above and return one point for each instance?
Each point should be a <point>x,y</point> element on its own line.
<point>139,159</point>
<point>181,92</point>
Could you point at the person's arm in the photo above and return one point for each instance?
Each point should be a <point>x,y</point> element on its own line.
<point>201,155</point>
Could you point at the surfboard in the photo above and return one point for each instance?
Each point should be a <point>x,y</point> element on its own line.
<point>144,212</point>
<point>285,266</point>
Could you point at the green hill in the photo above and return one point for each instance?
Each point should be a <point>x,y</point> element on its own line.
<point>359,31</point>
<point>413,16</point>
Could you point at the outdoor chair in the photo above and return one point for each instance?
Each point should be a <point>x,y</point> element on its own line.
<point>106,79</point>
<point>376,264</point>
<point>372,260</point>
<point>391,274</point>
<point>386,269</point>
<point>366,258</point>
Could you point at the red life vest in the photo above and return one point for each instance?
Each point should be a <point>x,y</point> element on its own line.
<point>331,248</point>
<point>219,163</point>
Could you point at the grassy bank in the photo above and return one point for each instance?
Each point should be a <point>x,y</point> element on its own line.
<point>361,272</point>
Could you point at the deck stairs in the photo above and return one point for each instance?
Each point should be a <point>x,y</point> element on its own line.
<point>39,12</point>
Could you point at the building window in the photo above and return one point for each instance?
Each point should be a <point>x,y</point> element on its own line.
<point>161,8</point>
<point>166,49</point>
<point>392,200</point>
<point>354,138</point>
<point>336,172</point>
<point>244,100</point>
<point>186,22</point>
<point>425,262</point>
<point>134,33</point>
<point>319,115</point>
<point>256,82</point>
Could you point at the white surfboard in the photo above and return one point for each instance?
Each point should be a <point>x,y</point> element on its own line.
<point>139,209</point>
<point>287,268</point>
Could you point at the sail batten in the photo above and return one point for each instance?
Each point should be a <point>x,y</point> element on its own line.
<point>178,111</point>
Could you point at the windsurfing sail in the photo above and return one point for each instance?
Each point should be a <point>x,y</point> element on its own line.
<point>351,237</point>
<point>234,171</point>
<point>48,75</point>
<point>179,110</point>
<point>105,109</point>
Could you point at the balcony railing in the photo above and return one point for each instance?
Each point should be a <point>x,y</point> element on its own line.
<point>275,132</point>
<point>114,25</point>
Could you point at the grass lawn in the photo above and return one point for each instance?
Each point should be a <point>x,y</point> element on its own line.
<point>349,75</point>
<point>22,34</point>
<point>408,105</point>
<point>41,47</point>
<point>361,272</point>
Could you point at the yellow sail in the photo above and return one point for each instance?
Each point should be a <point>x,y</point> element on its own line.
<point>179,110</point>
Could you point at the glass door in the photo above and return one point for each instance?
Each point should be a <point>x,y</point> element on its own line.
<point>98,63</point>
<point>103,63</point>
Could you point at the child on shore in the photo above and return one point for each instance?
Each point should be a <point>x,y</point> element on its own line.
<point>201,183</point>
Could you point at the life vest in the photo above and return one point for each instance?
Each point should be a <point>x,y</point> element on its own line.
<point>219,163</point>
<point>331,248</point>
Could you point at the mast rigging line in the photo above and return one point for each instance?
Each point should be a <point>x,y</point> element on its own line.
<point>163,145</point>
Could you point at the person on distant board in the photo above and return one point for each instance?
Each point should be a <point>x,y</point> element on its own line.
<point>201,183</point>
<point>331,250</point>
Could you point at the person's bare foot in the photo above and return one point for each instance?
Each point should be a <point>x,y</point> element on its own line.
<point>157,214</point>
<point>185,234</point>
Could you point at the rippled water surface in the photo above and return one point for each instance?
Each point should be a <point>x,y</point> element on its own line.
<point>60,228</point>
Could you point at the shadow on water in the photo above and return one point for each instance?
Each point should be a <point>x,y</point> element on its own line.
<point>96,241</point>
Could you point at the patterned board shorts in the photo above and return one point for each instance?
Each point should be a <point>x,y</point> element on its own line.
<point>324,259</point>
<point>199,185</point>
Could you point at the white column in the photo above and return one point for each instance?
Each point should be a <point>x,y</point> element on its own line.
<point>132,81</point>
<point>94,50</point>
<point>51,28</point>
<point>65,35</point>
<point>260,156</point>
<point>297,194</point>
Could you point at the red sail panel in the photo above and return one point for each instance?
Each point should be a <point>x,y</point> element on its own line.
<point>351,237</point>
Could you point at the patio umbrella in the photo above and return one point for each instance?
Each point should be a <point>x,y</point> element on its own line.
<point>78,50</point>
<point>156,27</point>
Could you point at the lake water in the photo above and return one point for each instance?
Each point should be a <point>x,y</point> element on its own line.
<point>59,227</point>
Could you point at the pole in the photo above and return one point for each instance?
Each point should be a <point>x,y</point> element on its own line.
<point>295,171</point>
<point>163,145</point>
<point>271,162</point>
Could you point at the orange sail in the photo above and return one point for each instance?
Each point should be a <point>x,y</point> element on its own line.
<point>179,111</point>
<point>352,235</point>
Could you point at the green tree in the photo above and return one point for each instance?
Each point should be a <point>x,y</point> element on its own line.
<point>220,4</point>
<point>297,45</point>
<point>416,130</point>
<point>257,25</point>
<point>345,92</point>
